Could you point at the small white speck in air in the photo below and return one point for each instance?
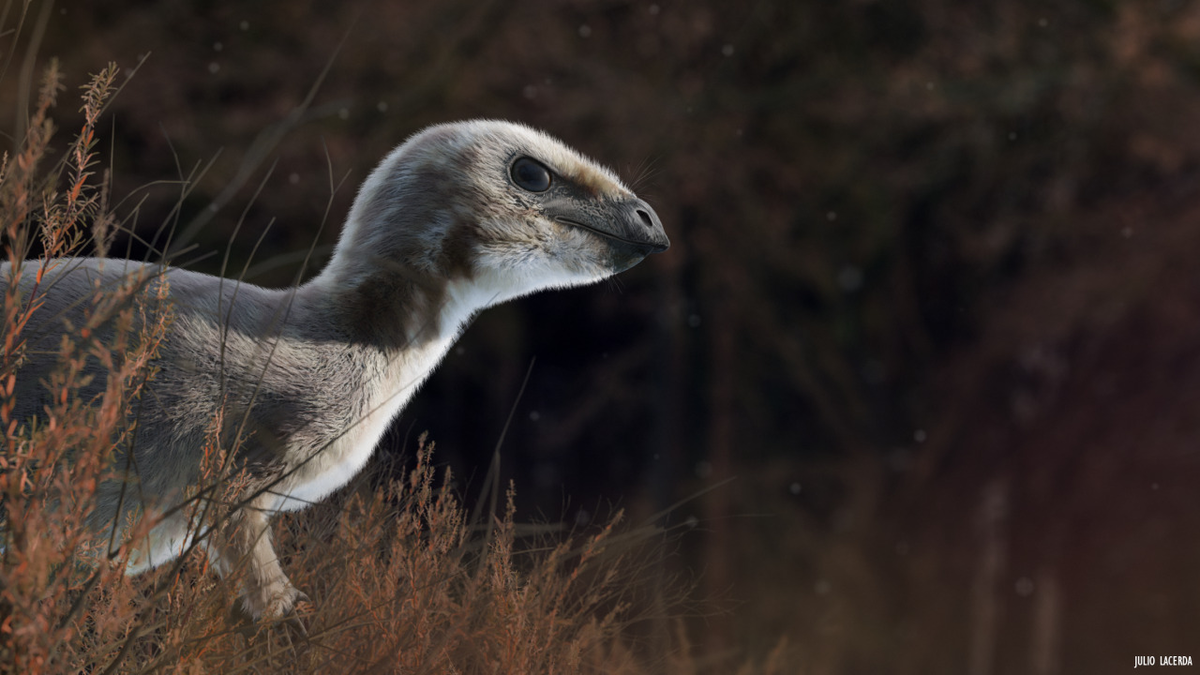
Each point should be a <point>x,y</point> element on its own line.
<point>919,436</point>
<point>1127,232</point>
<point>1042,22</point>
<point>529,92</point>
<point>654,10</point>
<point>381,106</point>
<point>831,216</point>
<point>344,113</point>
<point>294,178</point>
<point>692,521</point>
<point>1012,135</point>
<point>794,489</point>
<point>1024,587</point>
<point>217,46</point>
<point>535,416</point>
<point>822,587</point>
<point>244,25</point>
<point>1154,486</point>
<point>585,31</point>
<point>727,50</point>
<point>850,278</point>
<point>929,86</point>
<point>214,67</point>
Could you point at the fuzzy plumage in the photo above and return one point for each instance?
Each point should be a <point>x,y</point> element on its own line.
<point>439,231</point>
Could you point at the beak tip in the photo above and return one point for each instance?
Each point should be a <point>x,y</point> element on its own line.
<point>652,226</point>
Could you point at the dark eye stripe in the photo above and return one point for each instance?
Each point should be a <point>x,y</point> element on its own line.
<point>530,175</point>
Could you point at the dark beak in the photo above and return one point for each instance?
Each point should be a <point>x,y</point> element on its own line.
<point>630,226</point>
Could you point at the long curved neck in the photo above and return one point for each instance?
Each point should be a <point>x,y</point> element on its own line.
<point>400,325</point>
<point>400,285</point>
<point>364,354</point>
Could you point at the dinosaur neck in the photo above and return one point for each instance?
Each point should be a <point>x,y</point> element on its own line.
<point>373,356</point>
<point>400,324</point>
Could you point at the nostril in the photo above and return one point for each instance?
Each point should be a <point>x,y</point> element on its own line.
<point>646,219</point>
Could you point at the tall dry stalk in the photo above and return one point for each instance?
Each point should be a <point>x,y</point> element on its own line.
<point>53,565</point>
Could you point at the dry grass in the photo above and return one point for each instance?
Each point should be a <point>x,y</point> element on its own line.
<point>401,578</point>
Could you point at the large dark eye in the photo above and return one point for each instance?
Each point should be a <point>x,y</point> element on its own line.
<point>530,175</point>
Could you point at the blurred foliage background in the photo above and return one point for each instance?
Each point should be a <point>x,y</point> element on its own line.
<point>932,298</point>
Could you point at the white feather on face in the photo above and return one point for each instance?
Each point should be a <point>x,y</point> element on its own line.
<point>465,218</point>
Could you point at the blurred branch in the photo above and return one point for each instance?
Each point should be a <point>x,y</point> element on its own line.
<point>25,81</point>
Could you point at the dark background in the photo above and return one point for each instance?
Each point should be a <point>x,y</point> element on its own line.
<point>933,296</point>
